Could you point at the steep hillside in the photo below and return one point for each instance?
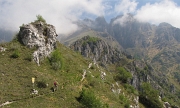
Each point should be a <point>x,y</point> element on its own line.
<point>16,85</point>
<point>141,71</point>
<point>105,77</point>
<point>156,45</point>
<point>81,82</point>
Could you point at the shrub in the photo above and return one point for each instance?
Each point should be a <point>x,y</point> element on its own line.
<point>41,84</point>
<point>16,54</point>
<point>88,99</point>
<point>40,18</point>
<point>89,40</point>
<point>149,96</point>
<point>124,101</point>
<point>130,89</point>
<point>92,67</point>
<point>56,60</point>
<point>123,75</point>
<point>56,65</point>
<point>29,57</point>
<point>127,105</point>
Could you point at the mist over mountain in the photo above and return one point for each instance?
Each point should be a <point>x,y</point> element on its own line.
<point>155,45</point>
<point>6,35</point>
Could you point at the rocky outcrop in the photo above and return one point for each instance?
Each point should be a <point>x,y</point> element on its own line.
<point>167,105</point>
<point>142,73</point>
<point>39,35</point>
<point>96,49</point>
<point>2,49</point>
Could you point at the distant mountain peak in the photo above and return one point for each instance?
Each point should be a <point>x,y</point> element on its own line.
<point>164,24</point>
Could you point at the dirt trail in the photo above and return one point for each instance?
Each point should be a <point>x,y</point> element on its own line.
<point>6,103</point>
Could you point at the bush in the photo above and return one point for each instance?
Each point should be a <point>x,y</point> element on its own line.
<point>127,105</point>
<point>56,60</point>
<point>130,89</point>
<point>123,75</point>
<point>40,18</point>
<point>16,54</point>
<point>124,101</point>
<point>149,96</point>
<point>29,57</point>
<point>89,100</point>
<point>41,84</point>
<point>56,65</point>
<point>89,40</point>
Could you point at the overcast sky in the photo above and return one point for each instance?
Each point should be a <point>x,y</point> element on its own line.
<point>62,13</point>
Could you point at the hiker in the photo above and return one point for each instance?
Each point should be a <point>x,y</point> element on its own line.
<point>55,86</point>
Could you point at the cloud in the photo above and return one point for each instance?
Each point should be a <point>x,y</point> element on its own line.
<point>124,19</point>
<point>126,6</point>
<point>61,13</point>
<point>164,11</point>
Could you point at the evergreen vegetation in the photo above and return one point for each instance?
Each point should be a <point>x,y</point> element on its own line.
<point>149,96</point>
<point>124,100</point>
<point>90,40</point>
<point>88,99</point>
<point>40,18</point>
<point>56,60</point>
<point>41,84</point>
<point>16,54</point>
<point>123,75</point>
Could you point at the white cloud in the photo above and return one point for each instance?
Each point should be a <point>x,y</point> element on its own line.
<point>61,13</point>
<point>164,11</point>
<point>124,19</point>
<point>126,6</point>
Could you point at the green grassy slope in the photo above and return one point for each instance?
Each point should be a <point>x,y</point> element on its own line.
<point>16,85</point>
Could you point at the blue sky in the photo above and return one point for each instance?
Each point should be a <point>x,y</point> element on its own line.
<point>63,13</point>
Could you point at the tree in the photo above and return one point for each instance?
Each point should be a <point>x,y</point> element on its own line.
<point>40,18</point>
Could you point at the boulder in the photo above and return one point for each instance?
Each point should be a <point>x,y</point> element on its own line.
<point>2,49</point>
<point>167,105</point>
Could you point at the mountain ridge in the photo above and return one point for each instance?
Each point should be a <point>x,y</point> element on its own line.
<point>158,46</point>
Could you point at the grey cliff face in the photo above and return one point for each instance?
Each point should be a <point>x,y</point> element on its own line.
<point>96,49</point>
<point>40,35</point>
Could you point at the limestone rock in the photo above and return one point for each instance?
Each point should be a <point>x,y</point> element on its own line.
<point>2,49</point>
<point>167,105</point>
<point>40,35</point>
<point>96,49</point>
